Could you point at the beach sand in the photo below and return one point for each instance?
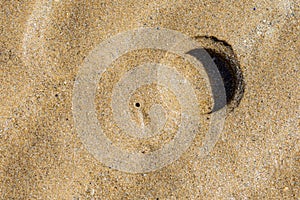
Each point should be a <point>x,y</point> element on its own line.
<point>43,46</point>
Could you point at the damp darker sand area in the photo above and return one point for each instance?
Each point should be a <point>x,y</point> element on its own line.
<point>149,99</point>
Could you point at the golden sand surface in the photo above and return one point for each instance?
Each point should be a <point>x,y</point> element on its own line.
<point>44,45</point>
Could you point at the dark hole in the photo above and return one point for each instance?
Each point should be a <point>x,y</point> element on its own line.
<point>137,104</point>
<point>228,67</point>
<point>226,73</point>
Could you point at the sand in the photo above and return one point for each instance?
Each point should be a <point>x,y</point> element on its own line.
<point>44,45</point>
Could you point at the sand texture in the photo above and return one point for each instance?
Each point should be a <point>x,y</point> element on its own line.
<point>105,99</point>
